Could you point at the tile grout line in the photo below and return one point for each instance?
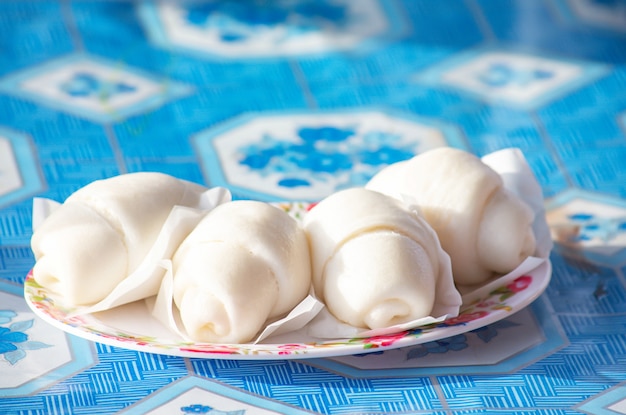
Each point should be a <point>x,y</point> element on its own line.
<point>620,120</point>
<point>117,153</point>
<point>481,20</point>
<point>440,394</point>
<point>551,150</point>
<point>70,23</point>
<point>304,85</point>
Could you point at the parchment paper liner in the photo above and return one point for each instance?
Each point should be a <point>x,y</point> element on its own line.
<point>313,319</point>
<point>153,281</point>
<point>145,281</point>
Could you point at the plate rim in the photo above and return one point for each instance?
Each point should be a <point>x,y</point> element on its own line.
<point>540,278</point>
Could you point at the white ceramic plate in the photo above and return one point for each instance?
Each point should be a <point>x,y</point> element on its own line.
<point>131,326</point>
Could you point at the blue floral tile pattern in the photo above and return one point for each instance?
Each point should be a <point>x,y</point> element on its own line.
<point>205,409</point>
<point>458,342</point>
<point>196,395</point>
<point>256,29</point>
<point>92,87</point>
<point>506,77</point>
<point>14,342</point>
<point>586,220</point>
<point>504,347</point>
<point>33,354</point>
<point>299,156</point>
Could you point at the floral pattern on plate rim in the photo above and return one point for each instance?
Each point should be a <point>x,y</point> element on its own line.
<point>496,301</point>
<point>494,306</point>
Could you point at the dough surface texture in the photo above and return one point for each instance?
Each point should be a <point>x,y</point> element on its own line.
<point>246,263</point>
<point>486,229</point>
<point>103,231</point>
<point>376,263</point>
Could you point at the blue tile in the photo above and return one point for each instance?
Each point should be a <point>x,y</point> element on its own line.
<point>490,129</point>
<point>545,25</point>
<point>186,170</point>
<point>69,176</point>
<point>380,72</point>
<point>173,125</point>
<point>432,23</point>
<point>599,24</point>
<point>108,26</point>
<point>513,77</point>
<point>297,383</point>
<point>225,30</point>
<point>20,170</point>
<point>485,129</point>
<point>47,352</point>
<point>396,62</point>
<point>205,392</point>
<point>50,131</point>
<point>162,134</point>
<point>29,35</point>
<point>476,346</point>
<point>589,119</point>
<point>92,87</point>
<point>112,30</point>
<point>15,225</point>
<point>119,378</point>
<point>278,162</point>
<point>423,44</point>
<point>601,405</point>
<point>70,151</point>
<point>217,73</point>
<point>551,391</point>
<point>574,284</point>
<point>17,259</point>
<point>598,220</point>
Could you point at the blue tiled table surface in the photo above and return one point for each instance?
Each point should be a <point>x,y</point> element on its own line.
<point>293,100</point>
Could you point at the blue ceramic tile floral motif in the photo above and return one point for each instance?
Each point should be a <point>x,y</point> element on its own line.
<point>321,151</point>
<point>239,20</point>
<point>262,29</point>
<point>205,409</point>
<point>86,84</point>
<point>306,156</point>
<point>507,77</point>
<point>592,227</point>
<point>92,87</point>
<point>14,342</point>
<point>459,342</point>
<point>501,74</point>
<point>590,222</point>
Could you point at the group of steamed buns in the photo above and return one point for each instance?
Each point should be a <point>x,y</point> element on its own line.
<point>375,255</point>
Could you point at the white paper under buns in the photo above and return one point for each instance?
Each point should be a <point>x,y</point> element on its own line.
<point>266,256</point>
